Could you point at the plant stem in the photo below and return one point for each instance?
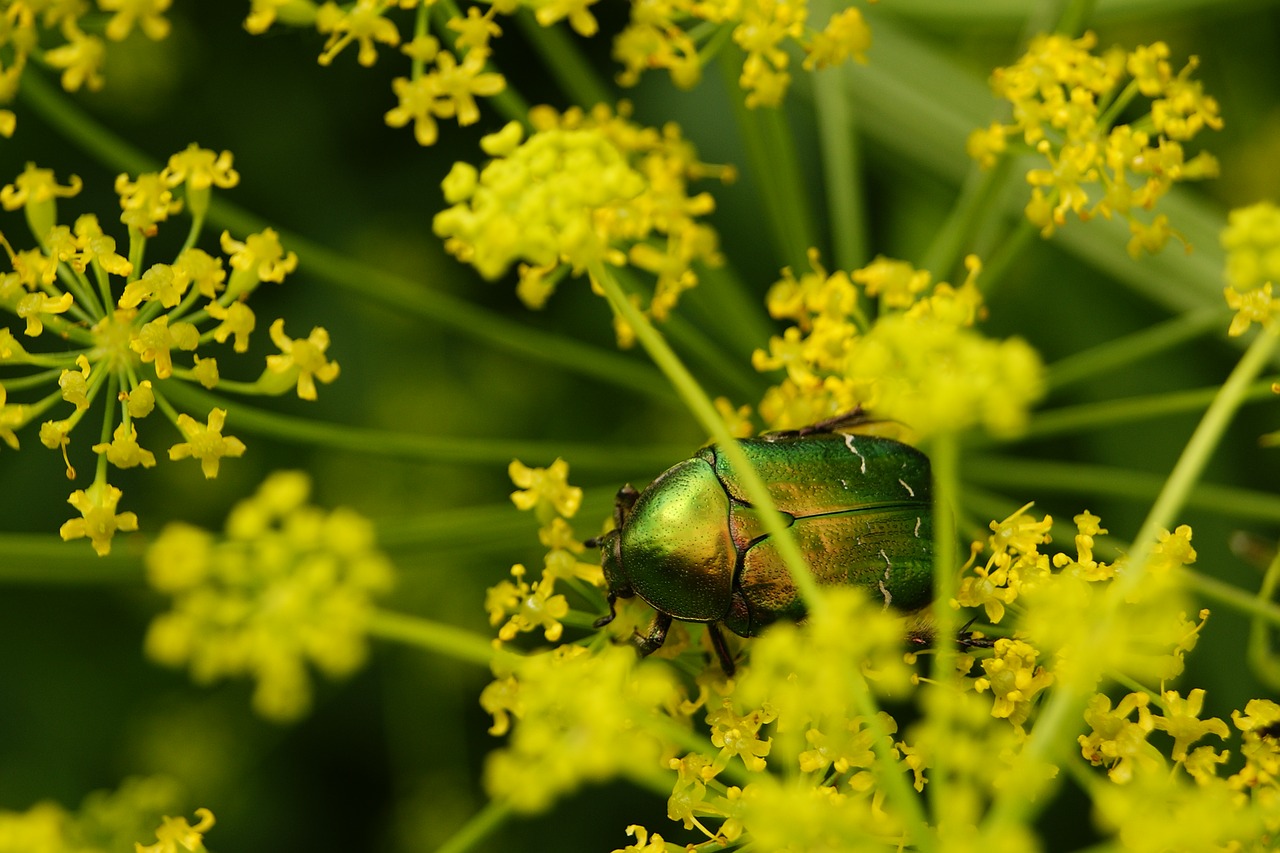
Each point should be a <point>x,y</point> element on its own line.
<point>1131,348</point>
<point>562,57</point>
<point>773,163</point>
<point>479,827</point>
<point>1093,416</point>
<point>841,162</point>
<point>435,636</point>
<point>410,445</point>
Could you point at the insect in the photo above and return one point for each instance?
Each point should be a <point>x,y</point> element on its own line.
<point>692,546</point>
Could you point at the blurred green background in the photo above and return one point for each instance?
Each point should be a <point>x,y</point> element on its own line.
<point>389,760</point>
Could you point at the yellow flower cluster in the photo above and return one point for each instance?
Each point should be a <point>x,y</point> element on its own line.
<point>287,584</point>
<point>108,821</point>
<point>113,331</point>
<point>920,362</point>
<point>54,35</point>
<point>672,35</point>
<point>1252,243</point>
<point>1054,596</point>
<point>582,719</point>
<point>582,189</point>
<point>1066,100</point>
<point>443,83</point>
<point>1187,779</point>
<point>519,606</point>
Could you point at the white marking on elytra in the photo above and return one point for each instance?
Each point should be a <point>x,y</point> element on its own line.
<point>853,448</point>
<point>919,520</point>
<point>884,590</point>
<point>910,491</point>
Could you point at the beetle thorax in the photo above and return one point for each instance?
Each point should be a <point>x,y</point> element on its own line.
<point>675,549</point>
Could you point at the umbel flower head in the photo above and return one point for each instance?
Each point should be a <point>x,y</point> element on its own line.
<point>57,35</point>
<point>288,584</point>
<point>920,362</point>
<point>669,35</point>
<point>109,820</point>
<point>1066,100</point>
<point>582,189</point>
<point>94,330</point>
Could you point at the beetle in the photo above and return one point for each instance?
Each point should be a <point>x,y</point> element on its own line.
<point>692,546</point>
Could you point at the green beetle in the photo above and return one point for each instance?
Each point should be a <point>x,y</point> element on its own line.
<point>692,546</point>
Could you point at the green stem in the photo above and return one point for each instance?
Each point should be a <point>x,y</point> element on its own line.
<point>480,826</point>
<point>1208,434</point>
<point>398,294</point>
<point>944,460</point>
<point>1145,343</point>
<point>435,636</point>
<point>415,445</point>
<point>45,560</point>
<point>772,157</point>
<point>1060,714</point>
<point>841,162</point>
<point>997,267</point>
<point>1232,596</point>
<point>1092,416</point>
<point>974,210</point>
<point>564,59</point>
<point>1260,655</point>
<point>1095,481</point>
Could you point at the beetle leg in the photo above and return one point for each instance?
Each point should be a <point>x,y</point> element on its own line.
<point>608,617</point>
<point>648,643</point>
<point>722,650</point>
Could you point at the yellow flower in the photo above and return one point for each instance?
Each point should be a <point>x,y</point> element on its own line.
<point>845,36</point>
<point>99,521</point>
<point>545,487</point>
<point>175,835</point>
<point>362,22</point>
<point>1013,679</point>
<point>1115,740</point>
<point>147,201</point>
<point>206,442</point>
<point>260,257</point>
<point>1181,720</point>
<point>155,342</point>
<point>37,191</point>
<point>123,451</point>
<point>147,14</point>
<point>237,319</point>
<point>301,361</point>
<point>920,363</point>
<point>81,59</point>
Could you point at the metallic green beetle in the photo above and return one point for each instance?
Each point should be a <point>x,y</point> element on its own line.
<point>692,546</point>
